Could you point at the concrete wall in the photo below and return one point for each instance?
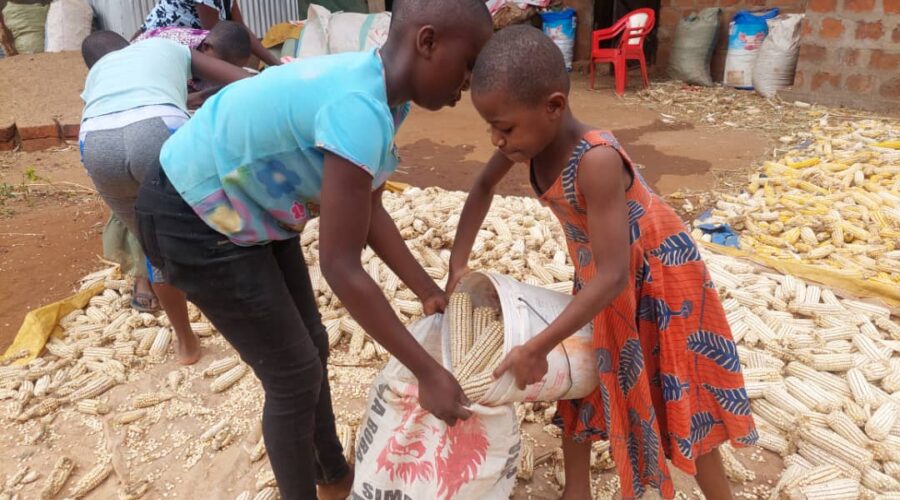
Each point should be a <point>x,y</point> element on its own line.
<point>850,53</point>
<point>673,11</point>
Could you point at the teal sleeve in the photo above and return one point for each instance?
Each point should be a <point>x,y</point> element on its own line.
<point>358,128</point>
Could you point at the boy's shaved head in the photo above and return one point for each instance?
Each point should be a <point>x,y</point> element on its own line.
<point>100,43</point>
<point>230,41</point>
<point>523,63</point>
<point>408,14</point>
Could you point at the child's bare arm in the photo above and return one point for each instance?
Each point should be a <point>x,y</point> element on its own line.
<point>602,179</point>
<point>385,239</point>
<point>473,213</point>
<point>346,212</point>
<point>209,68</point>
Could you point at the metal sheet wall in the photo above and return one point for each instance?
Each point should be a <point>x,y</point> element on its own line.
<point>125,16</point>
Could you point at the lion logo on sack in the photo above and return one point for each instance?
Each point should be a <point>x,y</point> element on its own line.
<point>419,451</point>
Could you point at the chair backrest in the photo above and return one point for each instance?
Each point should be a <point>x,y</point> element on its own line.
<point>638,24</point>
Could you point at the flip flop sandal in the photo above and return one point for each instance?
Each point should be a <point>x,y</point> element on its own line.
<point>145,302</point>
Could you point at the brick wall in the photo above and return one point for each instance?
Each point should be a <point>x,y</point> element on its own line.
<point>672,11</point>
<point>850,53</point>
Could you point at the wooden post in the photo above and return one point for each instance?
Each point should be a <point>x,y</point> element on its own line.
<point>376,6</point>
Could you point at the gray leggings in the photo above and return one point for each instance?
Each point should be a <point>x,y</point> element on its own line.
<point>118,160</point>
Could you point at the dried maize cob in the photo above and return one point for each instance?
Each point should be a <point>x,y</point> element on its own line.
<point>857,413</point>
<point>477,386</point>
<point>773,415</point>
<point>847,428</point>
<point>829,362</point>
<point>811,395</point>
<point>160,344</point>
<point>92,407</point>
<point>229,378</point>
<point>44,407</point>
<point>128,417</point>
<point>879,481</point>
<point>781,398</point>
<point>838,489</point>
<point>95,386</point>
<point>862,390</point>
<point>91,479</point>
<point>150,399</point>
<point>220,366</point>
<point>475,361</point>
<point>333,329</point>
<point>57,478</point>
<point>817,456</point>
<point>772,441</point>
<point>461,332</point>
<point>357,338</point>
<point>838,446</point>
<point>258,451</point>
<point>882,421</point>
<point>871,349</point>
<point>265,478</point>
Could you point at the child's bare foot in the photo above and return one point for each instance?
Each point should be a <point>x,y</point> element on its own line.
<point>188,349</point>
<point>337,491</point>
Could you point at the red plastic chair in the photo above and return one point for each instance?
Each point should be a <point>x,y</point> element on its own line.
<point>632,29</point>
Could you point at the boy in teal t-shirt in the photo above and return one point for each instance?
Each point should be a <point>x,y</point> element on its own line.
<point>260,159</point>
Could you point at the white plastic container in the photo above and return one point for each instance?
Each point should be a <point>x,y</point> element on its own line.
<point>526,310</point>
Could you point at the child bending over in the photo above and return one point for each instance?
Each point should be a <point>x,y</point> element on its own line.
<point>670,381</point>
<point>135,97</point>
<point>262,157</point>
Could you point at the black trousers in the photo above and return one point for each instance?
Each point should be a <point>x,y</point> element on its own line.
<point>261,300</point>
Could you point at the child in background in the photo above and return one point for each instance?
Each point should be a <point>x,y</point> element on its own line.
<point>670,380</point>
<point>135,97</point>
<point>262,157</point>
<point>227,41</point>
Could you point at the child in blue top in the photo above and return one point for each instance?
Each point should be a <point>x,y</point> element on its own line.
<point>261,158</point>
<point>135,96</point>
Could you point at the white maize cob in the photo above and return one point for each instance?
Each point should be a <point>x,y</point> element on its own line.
<point>871,349</point>
<point>220,366</point>
<point>882,421</point>
<point>879,481</point>
<point>857,413</point>
<point>772,441</point>
<point>818,456</point>
<point>160,344</point>
<point>91,479</point>
<point>475,361</point>
<point>461,332</point>
<point>838,446</point>
<point>346,436</point>
<point>357,338</point>
<point>268,493</point>
<point>526,465</point>
<point>214,429</point>
<point>94,387</point>
<point>130,416</point>
<point>92,407</point>
<point>57,478</point>
<point>847,428</point>
<point>477,386</point>
<point>229,378</point>
<point>811,395</point>
<point>860,387</point>
<point>265,478</point>
<point>150,399</point>
<point>838,489</point>
<point>781,398</point>
<point>773,415</point>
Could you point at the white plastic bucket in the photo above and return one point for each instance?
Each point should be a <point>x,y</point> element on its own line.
<point>526,309</point>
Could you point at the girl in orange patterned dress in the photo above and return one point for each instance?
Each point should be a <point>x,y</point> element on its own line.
<point>670,379</point>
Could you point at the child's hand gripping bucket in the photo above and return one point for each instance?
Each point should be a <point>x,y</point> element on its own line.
<point>526,311</point>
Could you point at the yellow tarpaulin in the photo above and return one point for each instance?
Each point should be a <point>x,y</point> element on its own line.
<point>42,322</point>
<point>280,32</point>
<point>395,187</point>
<point>856,287</point>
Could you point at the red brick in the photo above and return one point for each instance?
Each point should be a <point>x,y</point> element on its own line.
<point>728,3</point>
<point>806,27</point>
<point>888,61</point>
<point>812,53</point>
<point>896,36</point>
<point>702,4</point>
<point>70,130</point>
<point>799,80</point>
<point>891,89</point>
<point>821,79</point>
<point>832,28</point>
<point>27,132</point>
<point>892,6</point>
<point>7,131</point>
<point>859,5</point>
<point>684,4</point>
<point>848,57</point>
<point>869,31</point>
<point>7,145</point>
<point>861,84</point>
<point>669,17</point>
<point>39,144</point>
<point>822,5</point>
